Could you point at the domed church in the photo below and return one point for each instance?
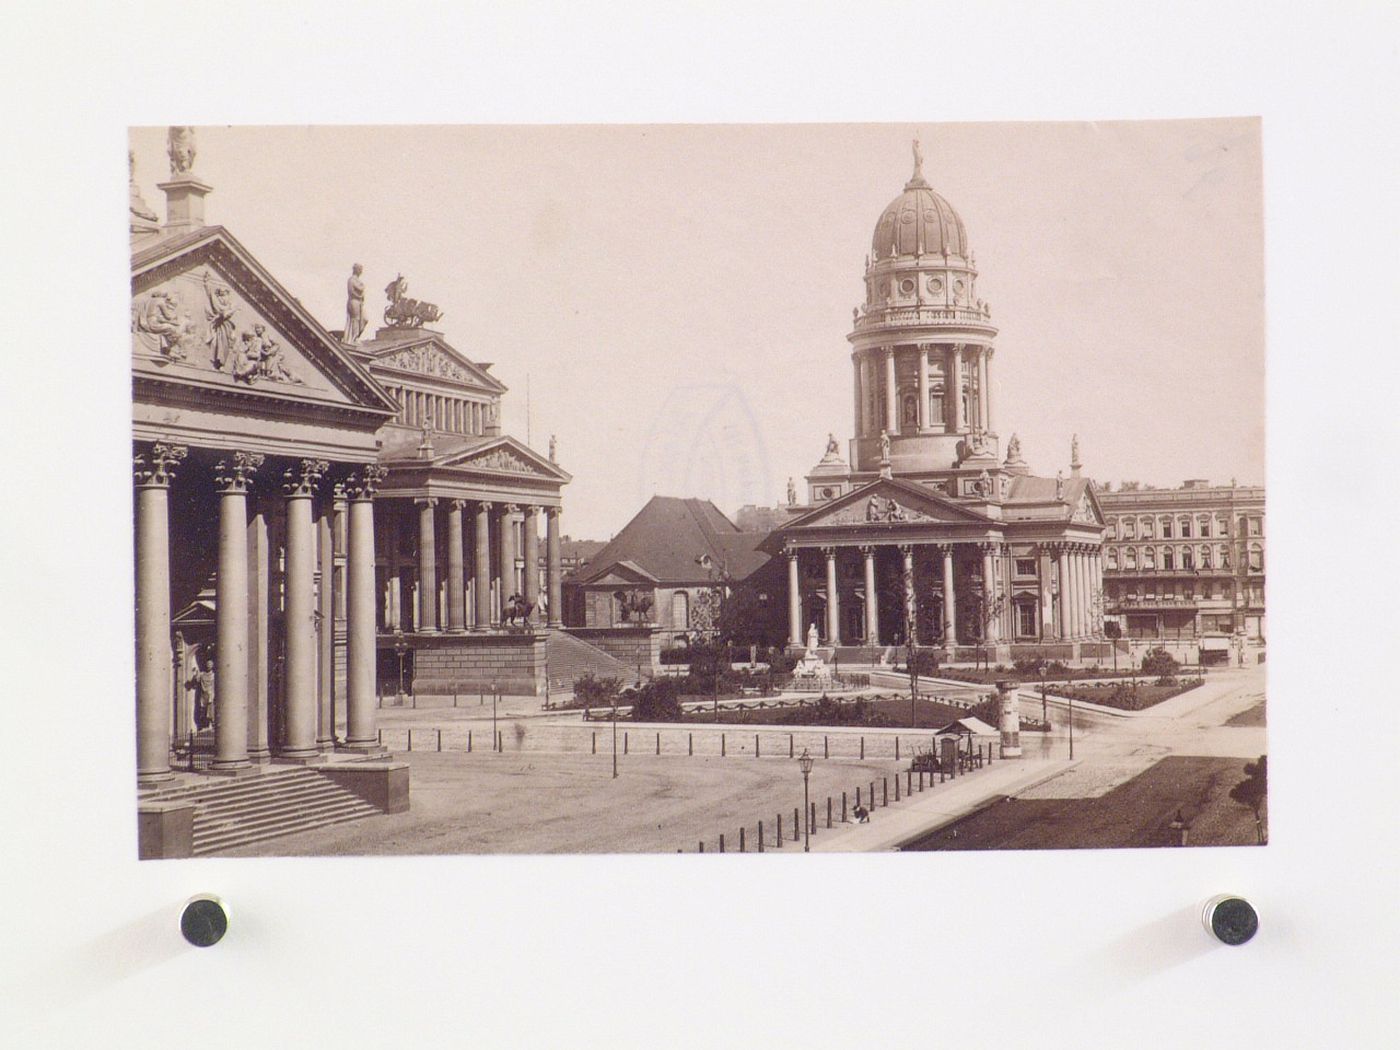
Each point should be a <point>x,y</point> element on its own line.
<point>929,529</point>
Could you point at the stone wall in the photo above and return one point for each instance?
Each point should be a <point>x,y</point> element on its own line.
<point>634,646</point>
<point>513,661</point>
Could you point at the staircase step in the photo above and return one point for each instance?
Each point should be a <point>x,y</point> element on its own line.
<point>291,816</point>
<point>264,805</point>
<point>248,840</point>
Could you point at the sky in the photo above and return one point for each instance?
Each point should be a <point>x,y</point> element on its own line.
<point>675,299</point>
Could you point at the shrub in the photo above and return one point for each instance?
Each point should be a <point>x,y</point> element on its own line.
<point>925,662</point>
<point>680,654</point>
<point>592,691</point>
<point>1161,663</point>
<point>781,663</point>
<point>657,701</point>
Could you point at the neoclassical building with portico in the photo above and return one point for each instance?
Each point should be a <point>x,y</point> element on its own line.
<point>305,501</point>
<point>928,530</point>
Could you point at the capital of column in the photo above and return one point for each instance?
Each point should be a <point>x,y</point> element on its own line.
<point>868,549</point>
<point>552,513</point>
<point>456,504</point>
<point>425,501</point>
<point>300,481</point>
<point>829,553</point>
<point>235,474</point>
<point>156,468</point>
<point>362,485</point>
<point>508,509</point>
<point>338,492</point>
<point>485,506</point>
<point>906,549</point>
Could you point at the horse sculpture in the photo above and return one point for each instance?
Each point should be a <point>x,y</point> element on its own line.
<point>403,312</point>
<point>517,611</point>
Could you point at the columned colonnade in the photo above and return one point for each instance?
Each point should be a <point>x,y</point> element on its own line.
<point>1078,593</point>
<point>472,594</point>
<point>881,386</point>
<point>313,506</point>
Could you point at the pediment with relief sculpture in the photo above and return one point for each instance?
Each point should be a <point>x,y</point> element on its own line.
<point>888,502</point>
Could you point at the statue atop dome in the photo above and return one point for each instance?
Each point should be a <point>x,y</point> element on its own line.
<point>917,179</point>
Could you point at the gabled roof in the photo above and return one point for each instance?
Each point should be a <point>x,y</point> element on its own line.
<point>670,539</point>
<point>910,497</point>
<point>421,351</point>
<point>497,454</point>
<point>1030,494</point>
<point>169,257</point>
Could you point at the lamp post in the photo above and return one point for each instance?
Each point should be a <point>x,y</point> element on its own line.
<point>400,650</point>
<point>614,734</point>
<point>805,762</point>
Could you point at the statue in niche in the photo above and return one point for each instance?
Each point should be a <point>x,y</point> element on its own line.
<point>218,311</point>
<point>354,305</point>
<point>884,446</point>
<point>179,146</point>
<point>159,316</point>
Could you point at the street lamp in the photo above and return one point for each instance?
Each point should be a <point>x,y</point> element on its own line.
<point>400,649</point>
<point>805,762</point>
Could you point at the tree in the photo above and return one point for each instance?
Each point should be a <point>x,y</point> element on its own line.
<point>1160,663</point>
<point>1113,630</point>
<point>747,617</point>
<point>1253,791</point>
<point>657,700</point>
<point>983,611</point>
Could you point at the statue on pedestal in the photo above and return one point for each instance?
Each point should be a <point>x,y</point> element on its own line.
<point>354,305</point>
<point>812,637</point>
<point>179,146</point>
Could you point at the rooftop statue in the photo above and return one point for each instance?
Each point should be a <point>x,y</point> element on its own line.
<point>403,312</point>
<point>1013,449</point>
<point>833,447</point>
<point>354,305</point>
<point>179,145</point>
<point>139,207</point>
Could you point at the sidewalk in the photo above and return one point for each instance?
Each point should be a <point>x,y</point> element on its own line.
<point>944,803</point>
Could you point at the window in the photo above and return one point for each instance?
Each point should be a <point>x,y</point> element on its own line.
<point>936,398</point>
<point>1188,560</point>
<point>1113,558</point>
<point>1147,528</point>
<point>1205,526</point>
<point>1185,528</point>
<point>1025,566</point>
<point>1130,558</point>
<point>1129,529</point>
<point>1256,558</point>
<point>1025,619</point>
<point>680,611</point>
<point>1166,528</point>
<point>1256,526</point>
<point>1149,558</point>
<point>1224,556</point>
<point>1205,557</point>
<point>1168,561</point>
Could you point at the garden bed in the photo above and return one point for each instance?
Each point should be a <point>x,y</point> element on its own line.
<point>1126,696</point>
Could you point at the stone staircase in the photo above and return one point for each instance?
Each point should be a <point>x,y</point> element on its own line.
<point>240,811</point>
<point>570,657</point>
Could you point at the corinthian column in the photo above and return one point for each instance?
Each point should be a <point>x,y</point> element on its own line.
<point>232,478</point>
<point>532,556</point>
<point>481,568</point>
<point>554,568</point>
<point>872,602</point>
<point>154,470</point>
<point>950,600</point>
<point>833,599</point>
<point>299,695</point>
<point>891,393</point>
<point>989,592</point>
<point>1063,623</point>
<point>955,385</point>
<point>360,733</point>
<point>794,600</point>
<point>923,387</point>
<point>507,567</point>
<point>456,585</point>
<point>325,624</point>
<point>427,566</point>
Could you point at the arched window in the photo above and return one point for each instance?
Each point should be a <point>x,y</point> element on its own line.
<point>680,611</point>
<point>1130,557</point>
<point>936,398</point>
<point>1188,561</point>
<point>1205,557</point>
<point>909,412</point>
<point>1149,557</point>
<point>1112,559</point>
<point>1223,556</point>
<point>1256,558</point>
<point>1129,529</point>
<point>1168,562</point>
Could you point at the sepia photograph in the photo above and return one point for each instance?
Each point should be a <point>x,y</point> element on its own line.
<point>752,488</point>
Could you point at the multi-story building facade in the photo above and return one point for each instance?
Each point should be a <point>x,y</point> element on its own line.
<point>1186,562</point>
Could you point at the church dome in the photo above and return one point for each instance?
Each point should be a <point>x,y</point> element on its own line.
<point>918,222</point>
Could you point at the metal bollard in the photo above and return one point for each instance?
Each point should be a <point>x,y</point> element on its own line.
<point>702,845</point>
<point>501,741</point>
<point>410,739</point>
<point>843,807</point>
<point>790,746</point>
<point>381,736</point>
<point>658,743</point>
<point>624,743</point>
<point>872,794</point>
<point>862,749</point>
<point>896,749</point>
<point>884,791</point>
<point>828,811</point>
<point>439,733</point>
<point>690,744</point>
<point>595,741</point>
<point>721,842</point>
<point>896,787</point>
<point>760,836</point>
<point>454,698</point>
<point>469,741</point>
<point>755,746</point>
<point>741,840</point>
<point>826,747</point>
<point>779,839</point>
<point>857,798</point>
<point>723,746</point>
<point>796,825</point>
